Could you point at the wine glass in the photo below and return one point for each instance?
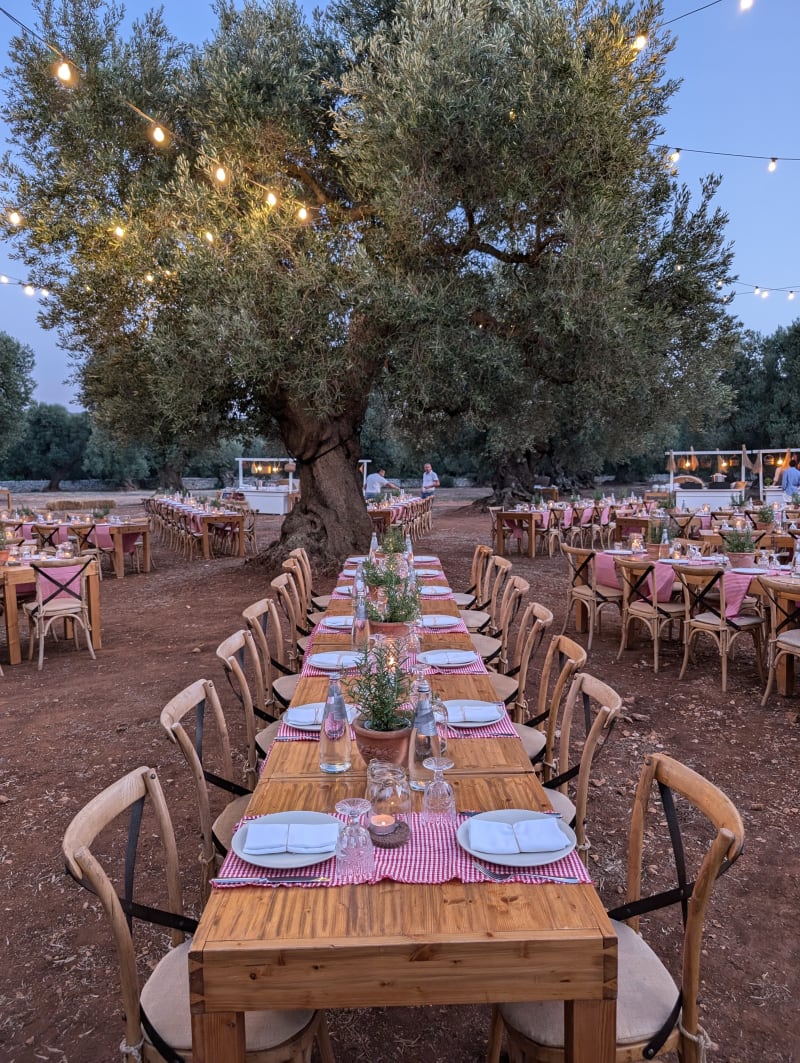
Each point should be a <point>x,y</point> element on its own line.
<point>438,800</point>
<point>355,855</point>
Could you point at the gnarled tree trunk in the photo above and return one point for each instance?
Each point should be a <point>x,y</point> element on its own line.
<point>330,521</point>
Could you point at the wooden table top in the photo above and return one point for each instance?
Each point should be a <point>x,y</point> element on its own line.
<point>402,944</point>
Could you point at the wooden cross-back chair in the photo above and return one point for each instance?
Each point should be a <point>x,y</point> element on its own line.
<point>482,617</point>
<point>309,615</point>
<point>585,591</point>
<point>493,649</point>
<point>197,707</point>
<point>264,625</point>
<point>783,633</point>
<point>480,560</point>
<point>641,602</point>
<point>60,595</point>
<point>509,687</point>
<point>240,659</point>
<point>563,659</point>
<point>289,599</point>
<point>316,600</point>
<point>656,1014</point>
<point>706,613</point>
<point>158,1024</point>
<point>597,706</point>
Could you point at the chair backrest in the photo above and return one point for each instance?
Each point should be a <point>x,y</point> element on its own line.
<point>600,708</point>
<point>60,584</point>
<point>239,657</point>
<point>301,592</point>
<point>716,856</point>
<point>783,614</point>
<point>581,567</point>
<point>480,562</point>
<point>563,659</point>
<point>509,605</point>
<point>303,567</point>
<point>288,595</point>
<point>133,792</point>
<point>201,702</point>
<point>497,572</point>
<point>703,590</point>
<point>535,622</point>
<point>264,624</point>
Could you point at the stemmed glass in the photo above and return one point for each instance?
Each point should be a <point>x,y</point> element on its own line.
<point>355,855</point>
<point>438,800</point>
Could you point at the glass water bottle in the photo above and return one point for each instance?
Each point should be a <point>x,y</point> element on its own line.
<point>425,740</point>
<point>360,635</point>
<point>334,737</point>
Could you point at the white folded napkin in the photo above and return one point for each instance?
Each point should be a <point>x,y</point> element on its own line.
<point>473,713</point>
<point>525,836</point>
<point>449,658</point>
<point>264,839</point>
<point>305,715</point>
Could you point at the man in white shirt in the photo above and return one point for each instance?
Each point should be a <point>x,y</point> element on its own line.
<point>430,481</point>
<point>377,482</point>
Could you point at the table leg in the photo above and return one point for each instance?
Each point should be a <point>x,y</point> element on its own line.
<point>146,549</point>
<point>93,592</point>
<point>206,543</point>
<point>241,536</point>
<point>218,1037</point>
<point>531,536</point>
<point>581,617</point>
<point>119,557</point>
<point>784,675</point>
<point>12,623</point>
<point>590,1031</point>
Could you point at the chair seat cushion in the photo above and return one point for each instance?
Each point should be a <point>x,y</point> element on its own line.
<point>165,999</point>
<point>463,600</point>
<point>789,639</point>
<point>712,621</point>
<point>646,996</point>
<point>223,826</point>
<point>265,738</point>
<point>321,601</point>
<point>533,741</point>
<point>647,611</point>
<point>506,687</point>
<point>475,619</point>
<point>487,647</point>
<point>562,804</point>
<point>284,687</point>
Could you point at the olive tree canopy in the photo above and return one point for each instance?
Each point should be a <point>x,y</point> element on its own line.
<point>465,205</point>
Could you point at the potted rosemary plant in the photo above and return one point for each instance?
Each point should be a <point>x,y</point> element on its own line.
<point>380,689</point>
<point>739,547</point>
<point>765,517</point>
<point>392,599</point>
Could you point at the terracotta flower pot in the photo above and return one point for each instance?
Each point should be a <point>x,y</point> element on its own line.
<point>391,629</point>
<point>742,560</point>
<point>391,746</point>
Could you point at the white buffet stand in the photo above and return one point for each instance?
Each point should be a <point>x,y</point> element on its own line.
<point>262,494</point>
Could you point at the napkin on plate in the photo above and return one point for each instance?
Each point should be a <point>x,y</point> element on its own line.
<point>525,836</point>
<point>472,713</point>
<point>449,658</point>
<point>263,839</point>
<point>304,715</point>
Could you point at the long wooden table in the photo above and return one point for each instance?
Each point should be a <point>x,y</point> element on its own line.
<point>396,944</point>
<point>13,576</point>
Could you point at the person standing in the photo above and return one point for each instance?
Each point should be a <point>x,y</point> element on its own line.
<point>377,482</point>
<point>430,481</point>
<point>790,481</point>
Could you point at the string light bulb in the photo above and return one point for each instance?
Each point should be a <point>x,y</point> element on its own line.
<point>209,236</point>
<point>158,135</point>
<point>765,293</point>
<point>221,175</point>
<point>302,214</point>
<point>773,164</point>
<point>757,290</point>
<point>639,42</point>
<point>675,156</point>
<point>15,217</point>
<point>745,5</point>
<point>272,199</point>
<point>3,278</point>
<point>64,72</point>
<point>149,278</point>
<point>30,290</point>
<point>790,296</point>
<point>119,232</point>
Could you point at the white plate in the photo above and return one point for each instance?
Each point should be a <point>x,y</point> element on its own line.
<point>435,591</point>
<point>344,590</point>
<point>338,622</point>
<point>425,558</point>
<point>462,703</point>
<point>319,708</point>
<point>334,660</point>
<point>428,572</point>
<point>676,561</point>
<point>512,815</point>
<point>447,658</point>
<point>753,571</point>
<point>619,553</point>
<point>356,558</point>
<point>283,860</point>
<point>439,620</point>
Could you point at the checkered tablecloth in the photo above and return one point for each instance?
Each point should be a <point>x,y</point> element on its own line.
<point>431,855</point>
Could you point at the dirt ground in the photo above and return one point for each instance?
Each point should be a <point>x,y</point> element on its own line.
<point>68,731</point>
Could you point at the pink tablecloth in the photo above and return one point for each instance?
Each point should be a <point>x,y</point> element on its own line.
<point>606,574</point>
<point>431,855</point>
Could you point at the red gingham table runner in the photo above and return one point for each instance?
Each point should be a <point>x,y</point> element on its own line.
<point>431,855</point>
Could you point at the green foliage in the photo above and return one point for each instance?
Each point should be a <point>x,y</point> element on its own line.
<point>739,542</point>
<point>380,687</point>
<point>16,389</point>
<point>52,445</point>
<point>765,515</point>
<point>655,529</point>
<point>393,541</point>
<point>402,603</point>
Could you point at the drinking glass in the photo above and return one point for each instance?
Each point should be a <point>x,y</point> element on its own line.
<point>438,800</point>
<point>355,855</point>
<point>388,791</point>
<point>442,720</point>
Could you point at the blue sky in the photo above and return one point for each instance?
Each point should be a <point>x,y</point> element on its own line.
<point>741,84</point>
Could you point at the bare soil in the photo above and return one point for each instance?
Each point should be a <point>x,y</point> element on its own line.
<point>70,730</point>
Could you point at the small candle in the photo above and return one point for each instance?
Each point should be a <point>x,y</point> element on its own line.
<point>382,824</point>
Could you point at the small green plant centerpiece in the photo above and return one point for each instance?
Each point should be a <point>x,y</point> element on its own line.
<point>765,516</point>
<point>740,547</point>
<point>392,600</point>
<point>393,541</point>
<point>381,688</point>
